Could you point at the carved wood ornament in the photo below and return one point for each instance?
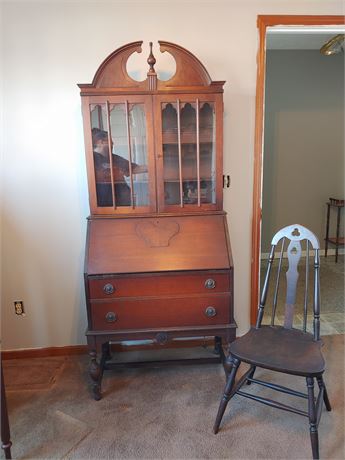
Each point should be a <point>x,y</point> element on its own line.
<point>112,75</point>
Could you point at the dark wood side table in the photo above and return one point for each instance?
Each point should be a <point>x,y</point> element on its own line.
<point>338,240</point>
<point>5,426</point>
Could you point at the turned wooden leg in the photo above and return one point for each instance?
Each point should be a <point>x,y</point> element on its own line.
<point>234,364</point>
<point>218,348</point>
<point>321,384</point>
<point>251,375</point>
<point>314,437</point>
<point>95,372</point>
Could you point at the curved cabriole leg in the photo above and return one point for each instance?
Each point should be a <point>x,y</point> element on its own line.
<point>234,363</point>
<point>321,384</point>
<point>314,437</point>
<point>96,375</point>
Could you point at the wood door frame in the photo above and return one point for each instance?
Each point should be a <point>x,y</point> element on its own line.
<point>264,21</point>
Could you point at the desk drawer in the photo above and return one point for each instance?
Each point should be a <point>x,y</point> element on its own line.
<point>155,285</point>
<point>167,312</point>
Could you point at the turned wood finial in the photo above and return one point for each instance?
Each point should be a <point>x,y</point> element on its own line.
<point>151,74</point>
<point>151,60</point>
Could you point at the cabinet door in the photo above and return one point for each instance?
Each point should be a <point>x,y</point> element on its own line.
<point>189,152</point>
<point>120,154</point>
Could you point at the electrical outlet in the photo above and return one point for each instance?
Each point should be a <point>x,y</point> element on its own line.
<point>19,307</point>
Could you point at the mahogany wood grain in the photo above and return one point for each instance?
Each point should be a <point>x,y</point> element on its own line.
<point>115,247</point>
<point>154,284</point>
<point>138,313</point>
<point>175,335</point>
<point>263,22</point>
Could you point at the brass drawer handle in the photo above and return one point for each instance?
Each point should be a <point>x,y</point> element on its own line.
<point>210,312</point>
<point>210,284</point>
<point>110,317</point>
<point>108,288</point>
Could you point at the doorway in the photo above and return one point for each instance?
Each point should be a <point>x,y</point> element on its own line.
<point>266,25</point>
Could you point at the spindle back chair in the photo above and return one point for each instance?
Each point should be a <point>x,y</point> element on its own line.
<point>284,348</point>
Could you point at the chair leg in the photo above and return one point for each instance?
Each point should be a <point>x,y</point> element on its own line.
<point>251,375</point>
<point>234,363</point>
<point>314,437</point>
<point>321,384</point>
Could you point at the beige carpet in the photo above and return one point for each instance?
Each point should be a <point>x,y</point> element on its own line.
<point>162,413</point>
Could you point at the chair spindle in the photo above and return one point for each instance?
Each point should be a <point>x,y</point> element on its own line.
<point>316,296</point>
<point>265,288</point>
<point>306,292</point>
<point>275,299</point>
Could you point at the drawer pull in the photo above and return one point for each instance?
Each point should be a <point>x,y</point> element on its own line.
<point>210,312</point>
<point>110,317</point>
<point>210,284</point>
<point>108,288</point>
<point>162,338</point>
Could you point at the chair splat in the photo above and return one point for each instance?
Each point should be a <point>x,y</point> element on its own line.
<point>294,255</point>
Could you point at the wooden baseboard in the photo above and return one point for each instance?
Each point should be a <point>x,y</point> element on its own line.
<point>44,352</point>
<point>82,349</point>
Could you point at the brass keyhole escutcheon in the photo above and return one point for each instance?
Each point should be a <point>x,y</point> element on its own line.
<point>210,284</point>
<point>210,312</point>
<point>108,288</point>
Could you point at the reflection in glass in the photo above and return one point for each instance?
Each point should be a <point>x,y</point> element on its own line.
<point>189,153</point>
<point>121,178</point>
<point>100,146</point>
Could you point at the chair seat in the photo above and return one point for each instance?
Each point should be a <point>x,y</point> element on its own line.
<point>282,350</point>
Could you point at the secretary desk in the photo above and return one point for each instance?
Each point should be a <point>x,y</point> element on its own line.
<point>158,264</point>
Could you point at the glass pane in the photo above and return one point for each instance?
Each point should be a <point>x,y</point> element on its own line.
<point>189,148</point>
<point>207,138</point>
<point>137,128</point>
<point>189,153</point>
<point>100,145</point>
<point>128,141</point>
<point>130,177</point>
<point>170,154</point>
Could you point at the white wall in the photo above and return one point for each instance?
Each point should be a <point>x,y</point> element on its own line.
<point>49,47</point>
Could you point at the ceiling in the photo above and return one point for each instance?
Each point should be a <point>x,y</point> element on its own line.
<point>303,38</point>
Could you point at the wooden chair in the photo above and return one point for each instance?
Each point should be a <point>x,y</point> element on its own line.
<point>284,348</point>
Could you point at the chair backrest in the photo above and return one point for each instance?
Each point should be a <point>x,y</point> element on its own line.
<point>295,240</point>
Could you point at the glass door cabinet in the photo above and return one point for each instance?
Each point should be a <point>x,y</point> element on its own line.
<point>158,264</point>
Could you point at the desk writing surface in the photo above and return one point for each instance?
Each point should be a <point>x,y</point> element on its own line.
<point>141,245</point>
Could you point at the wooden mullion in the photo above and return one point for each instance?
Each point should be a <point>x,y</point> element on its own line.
<point>179,151</point>
<point>111,156</point>
<point>129,153</point>
<point>198,150</point>
<point>99,115</point>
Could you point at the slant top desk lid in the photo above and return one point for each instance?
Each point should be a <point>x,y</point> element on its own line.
<point>140,245</point>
